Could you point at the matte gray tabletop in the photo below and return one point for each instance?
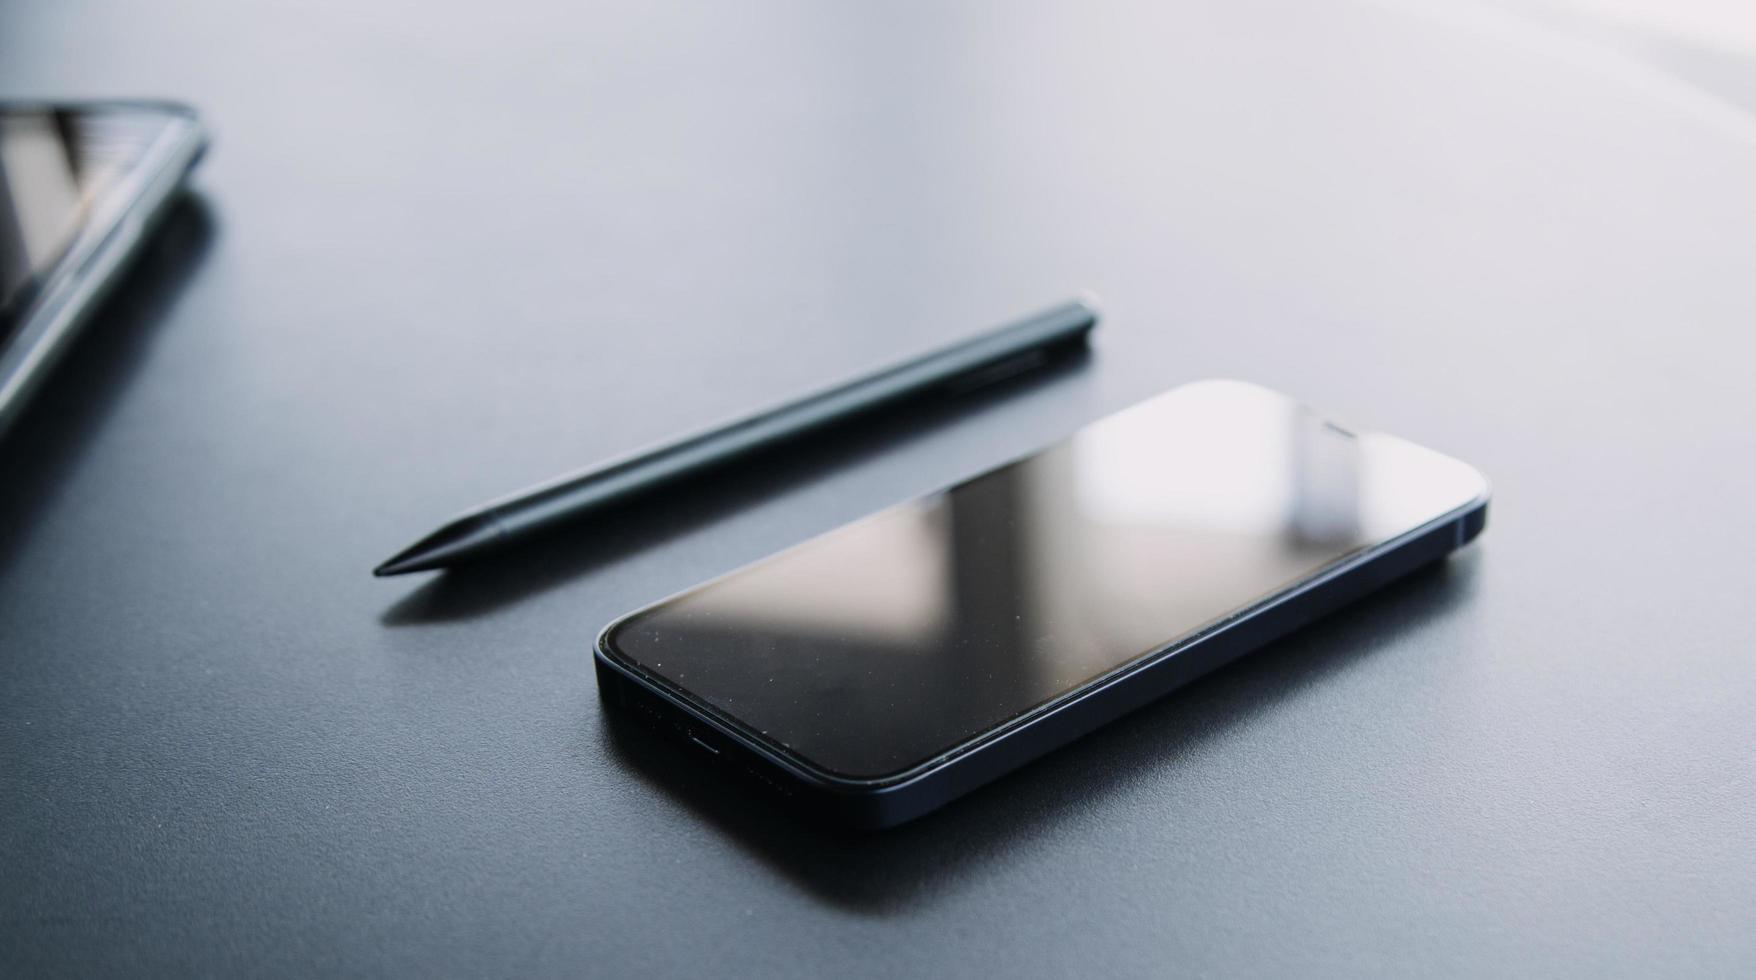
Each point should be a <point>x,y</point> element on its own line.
<point>437,254</point>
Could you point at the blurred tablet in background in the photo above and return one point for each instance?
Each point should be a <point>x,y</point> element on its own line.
<point>81,184</point>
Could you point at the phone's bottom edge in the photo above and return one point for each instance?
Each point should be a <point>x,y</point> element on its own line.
<point>888,805</point>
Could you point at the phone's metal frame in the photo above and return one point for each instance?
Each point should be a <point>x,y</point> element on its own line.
<point>726,742</point>
<point>120,220</point>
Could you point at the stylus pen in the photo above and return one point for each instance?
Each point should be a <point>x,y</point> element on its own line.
<point>982,359</point>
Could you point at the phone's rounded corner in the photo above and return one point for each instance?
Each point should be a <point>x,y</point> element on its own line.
<point>183,120</point>
<point>184,109</point>
<point>856,804</point>
<point>817,792</point>
<point>1483,499</point>
<point>1475,514</point>
<point>192,132</point>
<point>1484,491</point>
<point>604,648</point>
<point>871,806</point>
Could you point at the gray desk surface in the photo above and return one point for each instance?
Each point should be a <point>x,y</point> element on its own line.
<point>438,253</point>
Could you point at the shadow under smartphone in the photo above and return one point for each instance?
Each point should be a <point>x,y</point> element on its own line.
<point>82,391</point>
<point>878,872</point>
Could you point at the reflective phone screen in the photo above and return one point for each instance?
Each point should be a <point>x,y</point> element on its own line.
<point>878,646</point>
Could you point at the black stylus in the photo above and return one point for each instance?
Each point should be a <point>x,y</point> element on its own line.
<point>988,357</point>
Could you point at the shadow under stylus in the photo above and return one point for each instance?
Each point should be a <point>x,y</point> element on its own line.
<point>885,871</point>
<point>530,569</point>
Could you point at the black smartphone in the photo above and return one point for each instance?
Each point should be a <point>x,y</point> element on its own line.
<point>81,184</point>
<point>882,669</point>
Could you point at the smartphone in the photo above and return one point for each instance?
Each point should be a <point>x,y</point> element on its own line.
<point>81,184</point>
<point>880,670</point>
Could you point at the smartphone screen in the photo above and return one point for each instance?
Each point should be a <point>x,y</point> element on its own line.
<point>80,184</point>
<point>56,167</point>
<point>876,648</point>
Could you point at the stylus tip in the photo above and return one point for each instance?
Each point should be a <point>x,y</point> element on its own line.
<point>461,539</point>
